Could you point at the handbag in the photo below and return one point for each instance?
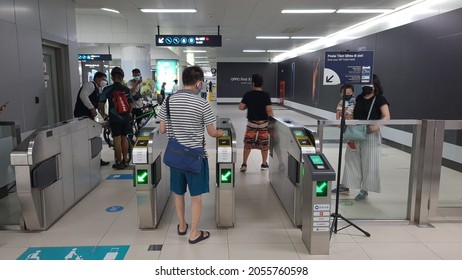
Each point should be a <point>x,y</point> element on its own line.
<point>180,157</point>
<point>357,132</point>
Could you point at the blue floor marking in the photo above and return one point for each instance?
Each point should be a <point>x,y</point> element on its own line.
<point>116,252</point>
<point>120,177</point>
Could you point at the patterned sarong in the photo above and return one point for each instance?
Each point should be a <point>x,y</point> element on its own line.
<point>256,135</point>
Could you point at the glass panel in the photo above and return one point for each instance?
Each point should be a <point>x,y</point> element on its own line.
<point>394,170</point>
<point>450,192</point>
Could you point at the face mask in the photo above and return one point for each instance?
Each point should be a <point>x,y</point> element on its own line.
<point>348,97</point>
<point>102,84</point>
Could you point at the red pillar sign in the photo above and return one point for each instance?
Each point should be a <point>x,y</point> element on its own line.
<point>282,91</point>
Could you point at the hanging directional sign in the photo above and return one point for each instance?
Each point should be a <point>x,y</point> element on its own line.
<point>348,68</point>
<point>95,57</point>
<point>188,40</point>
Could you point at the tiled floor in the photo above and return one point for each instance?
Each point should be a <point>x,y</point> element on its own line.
<point>262,228</point>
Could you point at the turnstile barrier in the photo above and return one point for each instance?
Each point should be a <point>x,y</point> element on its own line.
<point>55,167</point>
<point>316,207</point>
<point>225,171</point>
<point>289,141</point>
<point>150,177</point>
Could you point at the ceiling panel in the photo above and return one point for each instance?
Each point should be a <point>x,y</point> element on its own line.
<point>240,21</point>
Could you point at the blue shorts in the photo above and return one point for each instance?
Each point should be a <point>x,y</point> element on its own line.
<point>197,183</point>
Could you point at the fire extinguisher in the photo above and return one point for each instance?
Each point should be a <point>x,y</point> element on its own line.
<point>282,91</point>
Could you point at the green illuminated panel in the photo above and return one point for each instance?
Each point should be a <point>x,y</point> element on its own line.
<point>316,160</point>
<point>321,188</point>
<point>225,175</point>
<point>299,133</point>
<point>142,176</point>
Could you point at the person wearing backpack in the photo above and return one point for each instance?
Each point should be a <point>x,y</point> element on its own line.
<point>88,99</point>
<point>120,106</point>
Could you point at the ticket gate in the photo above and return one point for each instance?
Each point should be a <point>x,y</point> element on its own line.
<point>317,181</point>
<point>289,141</point>
<point>226,159</point>
<point>150,177</point>
<point>55,167</point>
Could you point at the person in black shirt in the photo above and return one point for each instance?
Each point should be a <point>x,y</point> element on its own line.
<point>362,167</point>
<point>259,109</point>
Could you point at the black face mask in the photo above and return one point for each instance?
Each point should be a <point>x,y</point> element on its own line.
<point>348,97</point>
<point>367,90</point>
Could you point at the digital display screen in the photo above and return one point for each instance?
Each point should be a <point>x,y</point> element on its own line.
<point>299,133</point>
<point>225,133</point>
<point>223,142</point>
<point>142,143</point>
<point>316,159</point>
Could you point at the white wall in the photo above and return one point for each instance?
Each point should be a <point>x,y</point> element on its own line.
<point>23,26</point>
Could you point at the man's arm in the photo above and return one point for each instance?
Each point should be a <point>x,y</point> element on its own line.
<point>85,93</point>
<point>163,128</point>
<point>269,110</point>
<point>242,106</point>
<point>101,110</point>
<point>211,130</point>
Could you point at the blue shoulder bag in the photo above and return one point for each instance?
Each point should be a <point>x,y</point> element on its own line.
<point>180,157</point>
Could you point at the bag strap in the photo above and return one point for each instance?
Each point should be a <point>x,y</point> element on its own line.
<point>169,120</point>
<point>370,109</point>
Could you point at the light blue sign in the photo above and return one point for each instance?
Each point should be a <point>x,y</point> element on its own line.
<point>116,252</point>
<point>348,68</point>
<point>120,177</point>
<point>115,208</point>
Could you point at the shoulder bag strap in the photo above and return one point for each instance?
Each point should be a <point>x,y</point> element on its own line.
<point>170,133</point>
<point>370,109</point>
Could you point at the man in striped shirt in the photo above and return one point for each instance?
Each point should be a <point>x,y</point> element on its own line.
<point>189,114</point>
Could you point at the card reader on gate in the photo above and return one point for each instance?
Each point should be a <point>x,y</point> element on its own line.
<point>224,149</point>
<point>317,162</point>
<point>140,151</point>
<point>303,141</point>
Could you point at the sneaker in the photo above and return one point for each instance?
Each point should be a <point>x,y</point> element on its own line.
<point>351,145</point>
<point>264,166</point>
<point>126,163</point>
<point>243,167</point>
<point>118,166</point>
<point>361,195</point>
<point>342,189</point>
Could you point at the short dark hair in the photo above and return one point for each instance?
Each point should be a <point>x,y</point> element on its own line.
<point>192,75</point>
<point>117,71</point>
<point>135,71</point>
<point>99,75</point>
<point>345,87</point>
<point>257,80</point>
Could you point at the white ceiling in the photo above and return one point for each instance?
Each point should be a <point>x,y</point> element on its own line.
<point>240,21</point>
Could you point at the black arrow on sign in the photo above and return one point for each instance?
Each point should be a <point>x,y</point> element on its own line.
<point>329,79</point>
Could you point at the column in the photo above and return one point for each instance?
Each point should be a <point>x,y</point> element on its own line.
<point>136,56</point>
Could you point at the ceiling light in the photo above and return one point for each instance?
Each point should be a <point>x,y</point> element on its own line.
<point>277,51</point>
<point>305,37</point>
<point>363,11</point>
<point>321,11</point>
<point>169,10</point>
<point>200,57</point>
<point>272,37</point>
<point>253,51</point>
<point>202,61</point>
<point>194,51</point>
<point>110,10</point>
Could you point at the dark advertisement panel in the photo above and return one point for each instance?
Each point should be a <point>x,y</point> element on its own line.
<point>188,40</point>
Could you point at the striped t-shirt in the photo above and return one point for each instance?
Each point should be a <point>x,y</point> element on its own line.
<point>189,113</point>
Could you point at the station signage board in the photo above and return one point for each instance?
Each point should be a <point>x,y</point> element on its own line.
<point>348,68</point>
<point>188,40</point>
<point>94,57</point>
